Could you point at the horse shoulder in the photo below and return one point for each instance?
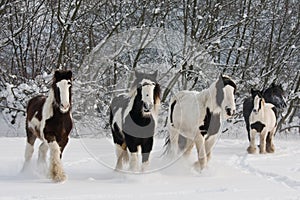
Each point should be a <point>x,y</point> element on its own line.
<point>119,108</point>
<point>48,106</point>
<point>35,106</point>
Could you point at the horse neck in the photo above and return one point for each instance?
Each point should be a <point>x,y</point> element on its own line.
<point>261,112</point>
<point>50,104</point>
<point>136,107</point>
<point>210,95</point>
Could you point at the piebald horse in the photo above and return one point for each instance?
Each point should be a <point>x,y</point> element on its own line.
<point>273,94</point>
<point>196,117</point>
<point>263,121</point>
<point>133,119</point>
<point>49,119</point>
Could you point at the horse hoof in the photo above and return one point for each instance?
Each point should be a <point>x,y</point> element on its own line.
<point>145,166</point>
<point>251,150</point>
<point>262,151</point>
<point>59,179</point>
<point>270,150</point>
<point>199,166</point>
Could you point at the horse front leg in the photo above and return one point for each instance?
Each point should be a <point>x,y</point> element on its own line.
<point>146,149</point>
<point>131,143</point>
<point>209,144</point>
<point>262,145</point>
<point>56,170</point>
<point>43,149</point>
<point>202,157</point>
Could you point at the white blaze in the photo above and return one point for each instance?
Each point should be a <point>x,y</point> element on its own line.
<point>64,86</point>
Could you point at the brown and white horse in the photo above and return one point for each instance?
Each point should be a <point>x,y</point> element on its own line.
<point>49,119</point>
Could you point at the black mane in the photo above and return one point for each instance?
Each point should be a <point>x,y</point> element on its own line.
<point>273,94</point>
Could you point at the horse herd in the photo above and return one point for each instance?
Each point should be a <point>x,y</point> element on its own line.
<point>194,119</point>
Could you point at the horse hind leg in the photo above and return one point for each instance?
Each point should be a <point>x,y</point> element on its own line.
<point>43,149</point>
<point>146,149</point>
<point>173,145</point>
<point>29,148</point>
<point>188,147</point>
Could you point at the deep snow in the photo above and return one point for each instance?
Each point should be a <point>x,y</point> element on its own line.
<point>231,174</point>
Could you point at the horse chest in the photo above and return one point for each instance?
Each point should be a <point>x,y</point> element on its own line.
<point>58,125</point>
<point>138,126</point>
<point>211,123</point>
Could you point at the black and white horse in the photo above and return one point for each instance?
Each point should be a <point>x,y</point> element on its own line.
<point>49,119</point>
<point>274,95</point>
<point>263,121</point>
<point>197,117</point>
<point>133,119</point>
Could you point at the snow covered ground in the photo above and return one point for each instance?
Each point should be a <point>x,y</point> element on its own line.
<point>231,174</point>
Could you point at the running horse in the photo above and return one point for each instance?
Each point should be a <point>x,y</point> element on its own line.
<point>133,119</point>
<point>263,121</point>
<point>273,94</point>
<point>49,119</point>
<point>196,118</point>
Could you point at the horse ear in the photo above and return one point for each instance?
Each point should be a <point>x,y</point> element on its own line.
<point>221,76</point>
<point>69,74</point>
<point>136,73</point>
<point>57,74</point>
<point>253,93</point>
<point>155,74</point>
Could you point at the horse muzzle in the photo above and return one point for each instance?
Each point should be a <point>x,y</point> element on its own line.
<point>147,107</point>
<point>64,108</point>
<point>230,112</point>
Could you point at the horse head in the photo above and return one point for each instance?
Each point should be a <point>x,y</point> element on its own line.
<point>275,95</point>
<point>148,91</point>
<point>226,89</point>
<point>258,100</point>
<point>62,83</point>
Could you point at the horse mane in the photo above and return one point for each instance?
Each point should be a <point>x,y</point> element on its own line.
<point>157,93</point>
<point>228,81</point>
<point>61,75</point>
<point>218,86</point>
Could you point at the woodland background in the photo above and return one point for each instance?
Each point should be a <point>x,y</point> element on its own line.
<point>254,41</point>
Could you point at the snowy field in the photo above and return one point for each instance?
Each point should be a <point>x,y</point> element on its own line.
<point>231,174</point>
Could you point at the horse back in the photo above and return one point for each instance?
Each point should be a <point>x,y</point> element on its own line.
<point>188,111</point>
<point>117,108</point>
<point>118,104</point>
<point>270,114</point>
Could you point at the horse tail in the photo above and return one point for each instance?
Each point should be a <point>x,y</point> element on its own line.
<point>167,146</point>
